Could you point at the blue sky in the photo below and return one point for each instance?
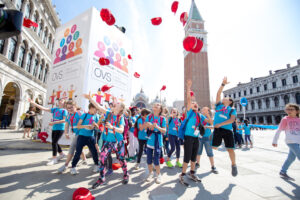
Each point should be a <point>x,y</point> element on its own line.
<point>245,38</point>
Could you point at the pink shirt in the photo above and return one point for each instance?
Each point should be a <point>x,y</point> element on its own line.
<point>291,126</point>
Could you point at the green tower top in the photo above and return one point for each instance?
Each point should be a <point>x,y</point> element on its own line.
<point>194,12</point>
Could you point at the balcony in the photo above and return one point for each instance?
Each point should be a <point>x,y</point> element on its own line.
<point>273,109</point>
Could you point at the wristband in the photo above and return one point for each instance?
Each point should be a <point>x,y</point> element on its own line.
<point>223,84</point>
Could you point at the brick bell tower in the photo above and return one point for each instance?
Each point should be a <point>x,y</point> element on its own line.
<point>196,64</point>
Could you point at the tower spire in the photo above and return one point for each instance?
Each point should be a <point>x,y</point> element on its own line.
<point>194,12</point>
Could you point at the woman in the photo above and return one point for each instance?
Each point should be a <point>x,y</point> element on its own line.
<point>291,125</point>
<point>72,122</point>
<point>225,115</point>
<point>173,127</point>
<point>205,141</point>
<point>142,135</point>
<point>156,126</point>
<point>114,141</point>
<point>59,115</point>
<point>28,122</point>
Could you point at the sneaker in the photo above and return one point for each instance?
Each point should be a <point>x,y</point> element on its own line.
<point>61,156</point>
<point>197,165</point>
<point>214,170</point>
<point>194,177</point>
<point>125,180</point>
<point>62,169</point>
<point>109,172</point>
<point>84,162</point>
<point>137,166</point>
<point>52,162</point>
<point>182,180</point>
<point>169,164</point>
<point>234,170</point>
<point>73,171</point>
<point>96,169</point>
<point>98,183</point>
<point>158,179</point>
<point>149,177</point>
<point>284,175</point>
<point>178,164</point>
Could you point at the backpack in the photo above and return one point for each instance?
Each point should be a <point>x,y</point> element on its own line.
<point>182,128</point>
<point>149,132</point>
<point>136,129</point>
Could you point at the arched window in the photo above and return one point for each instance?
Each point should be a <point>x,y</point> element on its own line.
<point>21,55</point>
<point>252,105</point>
<point>35,19</point>
<point>18,4</point>
<point>12,49</point>
<point>40,30</point>
<point>46,74</point>
<point>276,101</point>
<point>28,61</point>
<point>40,71</point>
<point>267,102</point>
<point>2,42</point>
<point>286,99</point>
<point>49,42</point>
<point>35,65</point>
<point>259,104</point>
<point>27,10</point>
<point>297,96</point>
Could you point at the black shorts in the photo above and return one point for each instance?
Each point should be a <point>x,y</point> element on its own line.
<point>191,145</point>
<point>221,133</point>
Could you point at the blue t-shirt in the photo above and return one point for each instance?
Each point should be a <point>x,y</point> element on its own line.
<point>191,126</point>
<point>142,135</point>
<point>58,114</point>
<point>161,122</point>
<point>133,119</point>
<point>207,132</point>
<point>88,119</point>
<point>111,137</point>
<point>247,129</point>
<point>173,126</point>
<point>241,130</point>
<point>223,114</point>
<point>73,120</point>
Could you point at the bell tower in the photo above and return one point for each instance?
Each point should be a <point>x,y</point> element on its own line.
<point>196,64</point>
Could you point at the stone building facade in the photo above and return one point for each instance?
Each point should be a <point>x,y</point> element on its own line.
<point>196,64</point>
<point>267,96</point>
<point>25,60</point>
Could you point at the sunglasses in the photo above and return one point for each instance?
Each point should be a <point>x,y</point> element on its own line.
<point>290,109</point>
<point>69,107</point>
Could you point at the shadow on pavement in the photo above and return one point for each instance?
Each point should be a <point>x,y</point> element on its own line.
<point>296,191</point>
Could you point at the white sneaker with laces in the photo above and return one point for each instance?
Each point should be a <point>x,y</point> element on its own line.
<point>149,177</point>
<point>61,156</point>
<point>96,168</point>
<point>137,166</point>
<point>73,171</point>
<point>52,162</point>
<point>158,179</point>
<point>62,169</point>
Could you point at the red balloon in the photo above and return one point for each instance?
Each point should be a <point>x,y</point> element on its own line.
<point>129,56</point>
<point>191,93</point>
<point>192,44</point>
<point>163,88</point>
<point>106,88</point>
<point>111,21</point>
<point>183,18</point>
<point>156,21</point>
<point>104,61</point>
<point>137,75</point>
<point>174,7</point>
<point>105,14</point>
<point>198,46</point>
<point>116,166</point>
<point>28,23</point>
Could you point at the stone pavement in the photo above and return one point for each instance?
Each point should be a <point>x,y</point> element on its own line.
<point>24,175</point>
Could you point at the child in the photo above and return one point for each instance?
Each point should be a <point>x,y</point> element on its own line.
<point>72,121</point>
<point>58,127</point>
<point>247,131</point>
<point>224,117</point>
<point>142,135</point>
<point>173,127</point>
<point>86,136</point>
<point>291,125</point>
<point>156,125</point>
<point>133,143</point>
<point>240,134</point>
<point>206,141</point>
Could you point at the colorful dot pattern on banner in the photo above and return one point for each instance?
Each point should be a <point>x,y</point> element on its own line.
<point>113,51</point>
<point>69,46</point>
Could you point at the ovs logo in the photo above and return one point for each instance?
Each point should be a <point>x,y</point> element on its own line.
<point>67,43</point>
<point>113,51</point>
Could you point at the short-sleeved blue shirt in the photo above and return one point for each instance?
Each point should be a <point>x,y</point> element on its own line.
<point>88,119</point>
<point>111,136</point>
<point>58,114</point>
<point>173,126</point>
<point>73,120</point>
<point>247,129</point>
<point>192,123</point>
<point>223,114</point>
<point>142,135</point>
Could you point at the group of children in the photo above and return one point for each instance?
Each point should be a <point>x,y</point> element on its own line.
<point>130,133</point>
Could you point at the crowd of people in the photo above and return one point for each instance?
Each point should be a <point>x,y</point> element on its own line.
<point>131,132</point>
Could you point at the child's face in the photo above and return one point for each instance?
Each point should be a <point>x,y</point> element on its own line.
<point>291,111</point>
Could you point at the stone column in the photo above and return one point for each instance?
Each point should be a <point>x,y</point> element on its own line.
<point>273,119</point>
<point>16,113</point>
<point>292,98</point>
<point>32,62</point>
<point>281,101</point>
<point>17,50</point>
<point>25,58</point>
<point>265,120</point>
<point>257,119</point>
<point>5,48</point>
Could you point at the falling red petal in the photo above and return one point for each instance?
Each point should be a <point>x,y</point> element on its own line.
<point>28,23</point>
<point>105,14</point>
<point>137,75</point>
<point>174,7</point>
<point>105,88</point>
<point>163,88</point>
<point>104,61</point>
<point>183,18</point>
<point>156,21</point>
<point>191,93</point>
<point>198,46</point>
<point>111,20</point>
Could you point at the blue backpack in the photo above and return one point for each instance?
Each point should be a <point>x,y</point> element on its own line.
<point>182,128</point>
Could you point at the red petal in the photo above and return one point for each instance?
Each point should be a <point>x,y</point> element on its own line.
<point>105,14</point>
<point>111,20</point>
<point>198,46</point>
<point>104,61</point>
<point>28,23</point>
<point>137,75</point>
<point>129,56</point>
<point>183,17</point>
<point>163,88</point>
<point>105,88</point>
<point>174,7</point>
<point>156,21</point>
<point>189,43</point>
<point>191,93</point>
